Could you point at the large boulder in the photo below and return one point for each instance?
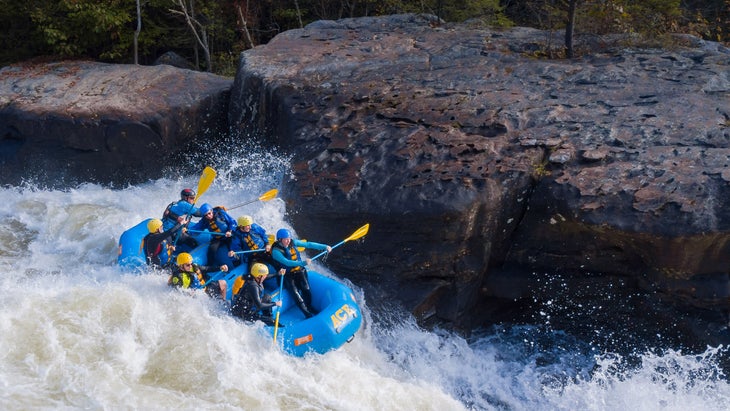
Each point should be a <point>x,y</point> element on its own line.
<point>76,121</point>
<point>485,170</point>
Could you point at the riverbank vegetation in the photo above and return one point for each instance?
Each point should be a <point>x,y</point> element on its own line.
<point>209,34</point>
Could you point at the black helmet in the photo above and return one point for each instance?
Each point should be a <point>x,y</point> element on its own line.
<point>188,192</point>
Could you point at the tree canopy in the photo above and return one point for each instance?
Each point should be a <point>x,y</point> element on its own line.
<point>211,33</point>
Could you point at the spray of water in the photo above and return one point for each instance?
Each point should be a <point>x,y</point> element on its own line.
<point>77,333</point>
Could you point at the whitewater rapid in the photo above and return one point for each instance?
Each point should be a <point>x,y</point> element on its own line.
<point>78,333</point>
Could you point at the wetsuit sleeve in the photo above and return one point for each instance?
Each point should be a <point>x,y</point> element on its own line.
<point>253,292</point>
<point>310,244</point>
<point>172,231</point>
<point>154,240</point>
<point>207,269</point>
<point>278,256</point>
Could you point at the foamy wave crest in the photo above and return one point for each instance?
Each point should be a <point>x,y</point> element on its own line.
<point>669,381</point>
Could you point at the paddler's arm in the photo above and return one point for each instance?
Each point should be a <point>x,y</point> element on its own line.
<point>311,245</point>
<point>278,256</point>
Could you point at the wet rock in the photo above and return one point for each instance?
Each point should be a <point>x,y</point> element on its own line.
<point>69,122</point>
<point>468,155</point>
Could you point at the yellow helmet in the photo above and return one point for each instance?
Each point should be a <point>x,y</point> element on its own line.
<point>153,225</point>
<point>245,220</point>
<point>259,270</point>
<point>184,258</point>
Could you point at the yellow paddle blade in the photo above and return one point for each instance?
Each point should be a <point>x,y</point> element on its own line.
<point>359,233</point>
<point>206,179</point>
<point>269,195</point>
<point>263,197</point>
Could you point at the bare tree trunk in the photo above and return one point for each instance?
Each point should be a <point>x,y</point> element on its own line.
<point>569,27</point>
<point>198,30</point>
<point>195,43</point>
<point>206,49</point>
<point>299,14</point>
<point>136,33</point>
<point>245,26</point>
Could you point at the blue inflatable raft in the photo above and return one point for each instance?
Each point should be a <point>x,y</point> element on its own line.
<point>339,316</point>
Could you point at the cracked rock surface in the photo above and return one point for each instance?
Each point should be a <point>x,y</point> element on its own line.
<point>483,168</point>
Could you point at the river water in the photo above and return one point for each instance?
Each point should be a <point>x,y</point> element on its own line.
<point>78,333</point>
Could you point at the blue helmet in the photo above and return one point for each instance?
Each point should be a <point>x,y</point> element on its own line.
<point>283,233</point>
<point>205,208</point>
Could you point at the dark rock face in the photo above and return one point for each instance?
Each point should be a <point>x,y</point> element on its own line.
<point>476,163</point>
<point>496,184</point>
<point>82,121</point>
<point>173,59</point>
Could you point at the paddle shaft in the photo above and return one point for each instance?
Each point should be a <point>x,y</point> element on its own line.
<point>263,197</point>
<point>242,204</point>
<point>325,252</point>
<point>216,277</point>
<point>281,298</point>
<point>249,251</point>
<point>359,233</point>
<point>206,231</point>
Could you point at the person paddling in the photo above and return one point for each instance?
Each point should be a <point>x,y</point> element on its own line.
<point>185,207</point>
<point>285,254</point>
<point>251,304</point>
<point>216,220</point>
<point>190,276</point>
<point>158,242</point>
<point>250,236</point>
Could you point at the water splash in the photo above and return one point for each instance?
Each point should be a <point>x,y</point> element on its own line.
<point>75,332</point>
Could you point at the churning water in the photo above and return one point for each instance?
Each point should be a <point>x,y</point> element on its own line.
<point>78,333</point>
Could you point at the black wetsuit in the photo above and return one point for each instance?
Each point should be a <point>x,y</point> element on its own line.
<point>251,304</point>
<point>154,244</point>
<point>296,279</point>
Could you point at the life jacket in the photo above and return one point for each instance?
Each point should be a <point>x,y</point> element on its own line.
<point>237,285</point>
<point>250,243</point>
<point>213,223</point>
<point>168,214</point>
<point>290,253</point>
<point>244,305</point>
<point>184,279</point>
<point>213,226</point>
<point>249,238</point>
